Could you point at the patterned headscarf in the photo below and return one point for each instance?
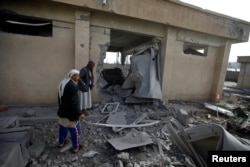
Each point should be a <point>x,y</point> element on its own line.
<point>63,83</point>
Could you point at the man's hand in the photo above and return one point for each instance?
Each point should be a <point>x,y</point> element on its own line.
<point>82,116</point>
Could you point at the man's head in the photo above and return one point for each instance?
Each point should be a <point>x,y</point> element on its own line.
<point>91,64</point>
<point>74,75</point>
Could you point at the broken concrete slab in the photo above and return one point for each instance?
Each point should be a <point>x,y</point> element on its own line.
<point>13,154</point>
<point>23,137</point>
<point>9,122</point>
<point>90,154</point>
<point>131,140</point>
<point>219,109</point>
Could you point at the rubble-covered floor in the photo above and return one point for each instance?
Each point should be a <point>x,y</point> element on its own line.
<point>98,152</point>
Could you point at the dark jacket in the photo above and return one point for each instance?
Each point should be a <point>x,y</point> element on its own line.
<point>85,78</point>
<point>69,106</point>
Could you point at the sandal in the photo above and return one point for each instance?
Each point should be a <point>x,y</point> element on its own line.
<point>64,144</point>
<point>74,151</point>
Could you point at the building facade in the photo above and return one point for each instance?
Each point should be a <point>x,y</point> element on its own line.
<point>40,40</point>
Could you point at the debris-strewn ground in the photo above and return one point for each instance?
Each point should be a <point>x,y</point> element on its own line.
<point>98,152</point>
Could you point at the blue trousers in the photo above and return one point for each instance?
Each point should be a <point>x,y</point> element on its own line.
<point>74,132</point>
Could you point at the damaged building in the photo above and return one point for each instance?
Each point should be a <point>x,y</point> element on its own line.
<point>167,49</point>
<point>152,107</point>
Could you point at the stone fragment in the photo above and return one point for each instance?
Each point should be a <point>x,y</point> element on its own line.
<point>124,156</point>
<point>89,154</point>
<point>74,159</point>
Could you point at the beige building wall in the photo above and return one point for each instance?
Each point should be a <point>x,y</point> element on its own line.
<point>32,66</point>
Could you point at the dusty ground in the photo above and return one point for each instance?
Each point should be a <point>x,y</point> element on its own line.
<point>98,152</point>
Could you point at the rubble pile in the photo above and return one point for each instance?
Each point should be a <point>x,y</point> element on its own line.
<point>126,135</point>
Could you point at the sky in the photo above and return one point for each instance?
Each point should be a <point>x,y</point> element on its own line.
<point>234,8</point>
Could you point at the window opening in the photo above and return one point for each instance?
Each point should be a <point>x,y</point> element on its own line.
<point>193,49</point>
<point>26,25</point>
<point>113,58</point>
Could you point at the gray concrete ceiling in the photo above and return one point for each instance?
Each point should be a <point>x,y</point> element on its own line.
<point>123,40</point>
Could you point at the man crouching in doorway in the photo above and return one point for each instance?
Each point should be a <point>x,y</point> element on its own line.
<point>69,110</point>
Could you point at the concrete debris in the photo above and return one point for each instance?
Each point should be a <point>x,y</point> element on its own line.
<point>240,123</point>
<point>22,137</point>
<point>66,147</point>
<point>196,141</point>
<point>240,113</point>
<point>13,154</point>
<point>144,76</point>
<point>106,165</point>
<point>141,82</point>
<point>133,139</point>
<point>101,82</point>
<point>124,156</point>
<point>9,122</point>
<point>219,110</point>
<point>182,116</point>
<point>90,154</point>
<point>118,163</point>
<point>135,136</point>
<point>117,118</point>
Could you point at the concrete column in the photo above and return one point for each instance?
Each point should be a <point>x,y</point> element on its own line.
<point>220,72</point>
<point>244,75</point>
<point>100,39</point>
<point>82,30</point>
<point>167,61</point>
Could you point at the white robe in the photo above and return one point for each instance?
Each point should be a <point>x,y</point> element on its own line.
<point>85,100</point>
